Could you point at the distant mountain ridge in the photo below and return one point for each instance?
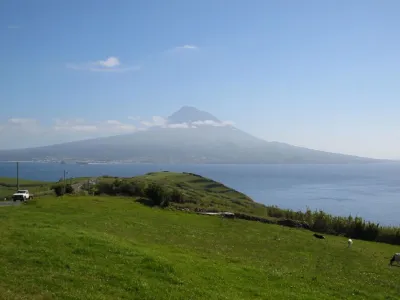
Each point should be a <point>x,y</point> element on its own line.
<point>190,136</point>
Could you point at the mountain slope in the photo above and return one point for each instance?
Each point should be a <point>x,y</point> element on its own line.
<point>205,139</point>
<point>190,114</point>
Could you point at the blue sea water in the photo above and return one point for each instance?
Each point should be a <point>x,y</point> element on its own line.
<point>371,191</point>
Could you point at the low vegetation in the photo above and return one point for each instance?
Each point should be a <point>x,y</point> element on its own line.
<point>102,247</point>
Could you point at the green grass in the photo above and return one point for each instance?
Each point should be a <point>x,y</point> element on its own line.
<point>8,186</point>
<point>114,248</point>
<point>197,192</point>
<point>202,192</point>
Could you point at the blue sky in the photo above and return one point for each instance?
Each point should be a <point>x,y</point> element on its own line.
<point>320,74</point>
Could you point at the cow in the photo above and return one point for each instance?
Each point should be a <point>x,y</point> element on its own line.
<point>395,258</point>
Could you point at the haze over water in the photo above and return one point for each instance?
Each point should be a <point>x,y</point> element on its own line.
<point>371,191</point>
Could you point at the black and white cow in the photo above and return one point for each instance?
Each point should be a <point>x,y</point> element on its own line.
<point>395,258</point>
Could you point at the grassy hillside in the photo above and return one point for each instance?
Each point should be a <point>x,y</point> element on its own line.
<point>194,192</point>
<point>201,192</point>
<point>115,248</point>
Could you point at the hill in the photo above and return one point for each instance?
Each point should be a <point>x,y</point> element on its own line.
<point>194,193</point>
<point>188,136</point>
<point>199,192</point>
<point>115,248</point>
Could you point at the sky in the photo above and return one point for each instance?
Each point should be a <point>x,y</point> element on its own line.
<point>319,74</point>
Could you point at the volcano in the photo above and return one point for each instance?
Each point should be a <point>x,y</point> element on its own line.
<point>189,135</point>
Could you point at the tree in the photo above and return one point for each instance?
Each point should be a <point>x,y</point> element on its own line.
<point>59,189</point>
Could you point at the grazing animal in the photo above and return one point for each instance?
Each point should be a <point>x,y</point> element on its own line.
<point>318,236</point>
<point>395,258</point>
<point>349,243</point>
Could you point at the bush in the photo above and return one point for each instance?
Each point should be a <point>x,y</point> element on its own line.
<point>69,189</point>
<point>119,187</point>
<point>59,189</point>
<point>104,188</point>
<point>158,195</point>
<point>177,196</point>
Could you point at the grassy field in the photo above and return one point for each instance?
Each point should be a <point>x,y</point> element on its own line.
<point>8,186</point>
<point>115,248</point>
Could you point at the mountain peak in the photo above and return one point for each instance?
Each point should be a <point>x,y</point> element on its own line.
<point>187,114</point>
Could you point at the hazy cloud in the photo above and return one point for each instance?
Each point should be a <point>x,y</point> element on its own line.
<point>156,121</point>
<point>110,64</point>
<point>103,127</point>
<point>22,121</point>
<point>187,47</point>
<point>181,125</point>
<point>31,132</point>
<point>14,126</point>
<point>113,122</point>
<point>213,123</point>
<point>106,126</point>
<point>13,27</point>
<point>134,118</point>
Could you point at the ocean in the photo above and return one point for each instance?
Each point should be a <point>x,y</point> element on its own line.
<point>371,191</point>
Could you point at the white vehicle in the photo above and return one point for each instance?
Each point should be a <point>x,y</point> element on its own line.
<point>21,195</point>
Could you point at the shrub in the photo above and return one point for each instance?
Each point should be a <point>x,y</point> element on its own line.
<point>69,189</point>
<point>119,187</point>
<point>59,189</point>
<point>104,188</point>
<point>158,195</point>
<point>177,196</point>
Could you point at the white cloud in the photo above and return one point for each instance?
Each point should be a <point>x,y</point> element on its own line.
<point>213,123</point>
<point>103,127</point>
<point>106,126</point>
<point>156,121</point>
<point>187,47</point>
<point>113,122</point>
<point>76,128</point>
<point>22,121</point>
<point>111,64</point>
<point>31,132</point>
<point>181,125</point>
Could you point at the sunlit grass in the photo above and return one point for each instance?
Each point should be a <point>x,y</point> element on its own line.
<point>114,248</point>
